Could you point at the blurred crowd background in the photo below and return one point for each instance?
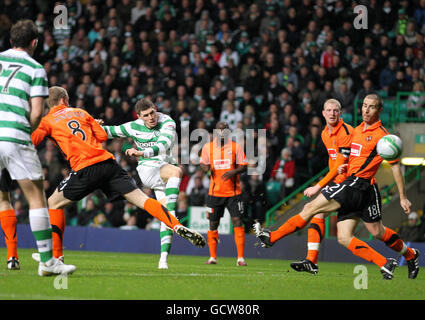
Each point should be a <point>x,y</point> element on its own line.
<point>261,64</point>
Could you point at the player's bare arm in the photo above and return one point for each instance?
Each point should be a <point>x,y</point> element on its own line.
<point>36,113</point>
<point>399,180</point>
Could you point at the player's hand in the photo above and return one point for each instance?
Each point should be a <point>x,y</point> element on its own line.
<point>310,192</point>
<point>227,175</point>
<point>133,153</point>
<point>405,204</point>
<point>342,168</point>
<point>99,121</point>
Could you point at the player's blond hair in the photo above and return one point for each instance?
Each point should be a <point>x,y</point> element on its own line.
<point>332,101</point>
<point>55,94</point>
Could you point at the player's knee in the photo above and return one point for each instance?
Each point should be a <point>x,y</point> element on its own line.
<point>237,222</point>
<point>344,240</point>
<point>309,210</point>
<point>178,172</point>
<point>214,225</point>
<point>377,233</point>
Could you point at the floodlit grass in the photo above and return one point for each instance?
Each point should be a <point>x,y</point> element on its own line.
<point>103,275</point>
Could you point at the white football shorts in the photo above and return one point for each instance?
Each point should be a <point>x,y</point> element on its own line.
<point>21,161</point>
<point>149,175</point>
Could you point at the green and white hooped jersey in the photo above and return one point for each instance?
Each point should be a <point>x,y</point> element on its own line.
<point>21,78</point>
<point>157,142</point>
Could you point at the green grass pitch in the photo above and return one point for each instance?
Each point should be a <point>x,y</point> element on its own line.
<point>103,275</point>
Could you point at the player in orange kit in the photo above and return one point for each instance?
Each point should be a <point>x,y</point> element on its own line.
<point>337,139</point>
<point>80,138</point>
<point>226,160</point>
<point>357,197</point>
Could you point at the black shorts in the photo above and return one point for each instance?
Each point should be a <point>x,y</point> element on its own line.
<point>107,176</point>
<point>358,199</point>
<point>217,205</point>
<point>5,181</point>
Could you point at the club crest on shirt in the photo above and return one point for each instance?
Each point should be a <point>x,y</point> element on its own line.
<point>368,138</point>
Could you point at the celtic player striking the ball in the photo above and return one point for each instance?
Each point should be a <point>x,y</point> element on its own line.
<point>154,134</point>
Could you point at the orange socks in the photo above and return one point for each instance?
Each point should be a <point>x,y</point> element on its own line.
<point>363,250</point>
<point>316,232</point>
<point>293,224</point>
<point>8,224</point>
<point>392,240</point>
<point>240,240</point>
<point>57,220</point>
<point>212,242</point>
<point>158,211</point>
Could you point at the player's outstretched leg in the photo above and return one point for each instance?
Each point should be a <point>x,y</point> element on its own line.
<point>157,210</point>
<point>413,265</point>
<point>316,232</point>
<point>393,241</point>
<point>263,235</point>
<point>268,238</point>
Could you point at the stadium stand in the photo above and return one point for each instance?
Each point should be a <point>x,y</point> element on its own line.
<point>276,62</point>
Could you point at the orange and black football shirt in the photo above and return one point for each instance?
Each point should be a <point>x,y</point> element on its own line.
<point>364,160</point>
<point>337,143</point>
<point>77,135</point>
<point>223,158</point>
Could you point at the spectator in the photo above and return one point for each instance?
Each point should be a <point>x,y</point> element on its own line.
<point>416,100</point>
<point>131,223</point>
<point>231,115</point>
<point>419,15</point>
<point>345,97</point>
<point>411,232</point>
<point>388,74</point>
<point>269,18</point>
<point>399,84</point>
<point>343,78</point>
<point>284,171</point>
<point>87,215</point>
<point>327,57</point>
<point>198,194</point>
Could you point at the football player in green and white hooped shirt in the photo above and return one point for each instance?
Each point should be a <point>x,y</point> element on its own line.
<point>23,87</point>
<point>154,134</point>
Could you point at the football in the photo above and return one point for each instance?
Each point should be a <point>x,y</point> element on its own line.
<point>390,147</point>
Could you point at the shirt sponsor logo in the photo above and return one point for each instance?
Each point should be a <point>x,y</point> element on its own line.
<point>332,153</point>
<point>222,164</point>
<point>356,149</point>
<point>147,144</point>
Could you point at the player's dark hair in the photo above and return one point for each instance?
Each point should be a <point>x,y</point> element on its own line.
<point>143,104</point>
<point>378,99</point>
<point>22,33</point>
